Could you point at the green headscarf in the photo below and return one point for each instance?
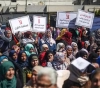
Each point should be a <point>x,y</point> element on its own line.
<point>5,83</point>
<point>27,49</point>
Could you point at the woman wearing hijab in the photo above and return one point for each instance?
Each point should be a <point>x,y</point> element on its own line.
<point>84,36</point>
<point>82,54</point>
<point>87,45</point>
<point>93,47</point>
<point>13,55</point>
<point>45,48</point>
<point>93,59</point>
<point>65,37</point>
<point>22,59</point>
<point>69,51</point>
<point>29,49</point>
<point>33,61</point>
<point>59,62</point>
<point>49,57</point>
<point>32,83</point>
<point>56,33</point>
<point>16,48</point>
<point>3,58</point>
<point>75,48</point>
<point>47,39</point>
<point>18,70</point>
<point>95,76</point>
<point>63,31</point>
<point>7,76</point>
<point>5,40</point>
<point>60,47</point>
<point>98,52</point>
<point>23,63</point>
<point>28,38</point>
<point>98,37</point>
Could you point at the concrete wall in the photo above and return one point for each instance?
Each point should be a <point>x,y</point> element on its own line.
<point>6,17</point>
<point>36,2</point>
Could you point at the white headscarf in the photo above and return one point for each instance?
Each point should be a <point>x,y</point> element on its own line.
<point>74,44</point>
<point>87,42</point>
<point>59,46</point>
<point>43,46</point>
<point>49,40</point>
<point>68,47</point>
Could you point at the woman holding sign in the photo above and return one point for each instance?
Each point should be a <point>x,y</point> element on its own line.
<point>47,39</point>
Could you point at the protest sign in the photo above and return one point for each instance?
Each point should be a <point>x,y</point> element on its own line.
<point>96,24</point>
<point>66,20</point>
<point>39,24</point>
<point>80,63</point>
<point>21,24</point>
<point>84,19</point>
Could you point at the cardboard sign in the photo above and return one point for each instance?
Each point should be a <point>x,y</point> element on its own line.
<point>21,24</point>
<point>80,63</point>
<point>84,19</point>
<point>39,24</point>
<point>66,20</point>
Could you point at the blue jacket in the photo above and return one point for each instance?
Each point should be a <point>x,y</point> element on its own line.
<point>98,60</point>
<point>52,47</point>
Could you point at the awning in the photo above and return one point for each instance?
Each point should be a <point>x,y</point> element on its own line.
<point>32,8</point>
<point>91,7</point>
<point>20,8</point>
<point>59,8</point>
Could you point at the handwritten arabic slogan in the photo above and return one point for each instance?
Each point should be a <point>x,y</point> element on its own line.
<point>84,19</point>
<point>39,24</point>
<point>21,24</point>
<point>66,20</point>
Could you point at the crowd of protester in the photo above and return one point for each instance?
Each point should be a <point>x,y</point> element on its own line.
<point>43,60</point>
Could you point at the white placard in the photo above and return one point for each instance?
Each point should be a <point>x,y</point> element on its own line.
<point>39,24</point>
<point>84,19</point>
<point>21,24</point>
<point>66,20</point>
<point>80,63</point>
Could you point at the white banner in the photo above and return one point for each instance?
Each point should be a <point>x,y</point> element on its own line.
<point>84,19</point>
<point>96,24</point>
<point>21,24</point>
<point>66,20</point>
<point>39,24</point>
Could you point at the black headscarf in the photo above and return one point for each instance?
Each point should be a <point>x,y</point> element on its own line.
<point>30,60</point>
<point>46,55</point>
<point>20,62</point>
<point>92,57</point>
<point>81,54</point>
